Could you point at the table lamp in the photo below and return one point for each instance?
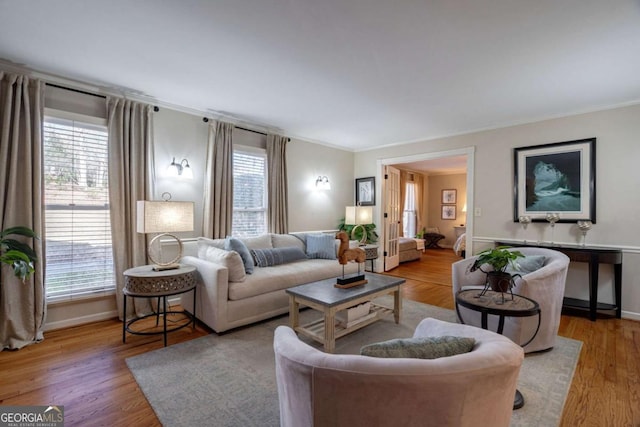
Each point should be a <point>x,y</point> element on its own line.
<point>359,216</point>
<point>164,217</point>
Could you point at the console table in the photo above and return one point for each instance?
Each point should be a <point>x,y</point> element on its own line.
<point>594,256</point>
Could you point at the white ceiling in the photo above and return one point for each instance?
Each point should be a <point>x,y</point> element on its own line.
<point>350,73</point>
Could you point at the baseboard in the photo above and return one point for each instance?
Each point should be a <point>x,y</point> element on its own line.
<point>94,317</point>
<point>77,321</point>
<point>630,315</point>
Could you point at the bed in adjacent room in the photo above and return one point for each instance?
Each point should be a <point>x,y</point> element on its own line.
<point>409,249</point>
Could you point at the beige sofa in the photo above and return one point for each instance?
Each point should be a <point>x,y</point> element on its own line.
<point>470,389</point>
<point>224,304</point>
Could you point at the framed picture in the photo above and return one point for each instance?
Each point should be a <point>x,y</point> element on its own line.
<point>366,191</point>
<point>449,211</point>
<point>449,196</point>
<point>558,178</point>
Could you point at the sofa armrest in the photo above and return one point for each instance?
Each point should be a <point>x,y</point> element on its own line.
<point>212,293</point>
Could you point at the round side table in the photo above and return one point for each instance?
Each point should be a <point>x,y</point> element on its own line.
<point>499,304</point>
<point>145,282</point>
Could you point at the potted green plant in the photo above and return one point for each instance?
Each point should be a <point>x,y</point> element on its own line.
<point>20,256</point>
<point>499,259</point>
<point>369,229</point>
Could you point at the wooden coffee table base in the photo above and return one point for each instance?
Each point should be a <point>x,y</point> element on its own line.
<point>327,336</point>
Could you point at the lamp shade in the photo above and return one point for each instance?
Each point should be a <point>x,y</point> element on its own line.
<point>164,216</point>
<point>358,215</point>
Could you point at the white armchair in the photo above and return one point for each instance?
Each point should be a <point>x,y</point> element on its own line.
<point>545,286</point>
<point>470,389</point>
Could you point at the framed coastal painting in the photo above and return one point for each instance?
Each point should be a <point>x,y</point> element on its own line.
<point>366,191</point>
<point>557,178</point>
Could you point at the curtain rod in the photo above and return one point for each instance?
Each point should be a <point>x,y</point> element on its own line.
<point>76,90</point>
<point>255,131</point>
<point>206,119</point>
<point>84,92</point>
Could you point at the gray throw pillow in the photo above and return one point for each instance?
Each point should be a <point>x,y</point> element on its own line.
<point>276,256</point>
<point>526,265</point>
<point>321,246</point>
<point>420,348</point>
<point>234,244</point>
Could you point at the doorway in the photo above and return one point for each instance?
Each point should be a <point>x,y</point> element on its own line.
<point>463,157</point>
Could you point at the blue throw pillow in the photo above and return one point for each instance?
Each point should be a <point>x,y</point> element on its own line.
<point>276,256</point>
<point>321,246</point>
<point>234,244</point>
<point>526,265</point>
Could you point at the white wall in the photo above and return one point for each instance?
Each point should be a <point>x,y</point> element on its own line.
<point>310,209</point>
<point>617,177</point>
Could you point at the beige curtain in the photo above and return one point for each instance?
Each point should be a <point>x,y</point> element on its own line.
<point>418,179</point>
<point>218,182</point>
<point>404,177</point>
<point>131,178</point>
<point>22,305</point>
<point>277,189</point>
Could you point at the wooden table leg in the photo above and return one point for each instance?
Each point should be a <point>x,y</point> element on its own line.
<point>294,320</point>
<point>329,329</point>
<point>397,304</point>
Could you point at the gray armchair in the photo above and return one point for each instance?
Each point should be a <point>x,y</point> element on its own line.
<point>470,389</point>
<point>545,286</point>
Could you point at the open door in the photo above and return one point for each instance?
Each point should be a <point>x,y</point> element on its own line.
<point>391,217</point>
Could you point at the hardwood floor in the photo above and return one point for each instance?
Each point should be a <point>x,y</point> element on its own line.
<point>84,369</point>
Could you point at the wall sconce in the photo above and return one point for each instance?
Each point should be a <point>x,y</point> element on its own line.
<point>181,169</point>
<point>322,183</point>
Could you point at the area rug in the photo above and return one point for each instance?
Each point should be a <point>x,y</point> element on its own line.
<point>229,379</point>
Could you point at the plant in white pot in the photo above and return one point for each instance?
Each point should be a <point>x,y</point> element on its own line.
<point>499,259</point>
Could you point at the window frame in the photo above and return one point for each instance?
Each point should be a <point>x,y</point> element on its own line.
<point>255,152</point>
<point>107,289</point>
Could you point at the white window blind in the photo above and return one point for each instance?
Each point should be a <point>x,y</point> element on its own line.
<point>249,193</point>
<point>409,212</point>
<point>78,255</point>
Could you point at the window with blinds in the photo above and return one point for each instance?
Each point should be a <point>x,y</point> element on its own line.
<point>78,257</point>
<point>249,193</point>
<point>409,211</point>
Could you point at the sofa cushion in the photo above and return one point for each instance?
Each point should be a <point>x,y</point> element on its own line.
<point>287,241</point>
<point>526,265</point>
<point>229,259</point>
<point>277,256</point>
<point>235,244</point>
<point>322,246</point>
<point>204,243</point>
<point>284,276</point>
<point>258,242</point>
<point>420,348</point>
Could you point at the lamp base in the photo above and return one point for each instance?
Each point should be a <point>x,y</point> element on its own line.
<point>154,253</point>
<point>363,240</point>
<point>163,267</point>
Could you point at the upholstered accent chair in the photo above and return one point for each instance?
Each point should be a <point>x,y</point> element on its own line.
<point>470,389</point>
<point>544,285</point>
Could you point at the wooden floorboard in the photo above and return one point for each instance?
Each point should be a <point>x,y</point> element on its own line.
<point>84,369</point>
